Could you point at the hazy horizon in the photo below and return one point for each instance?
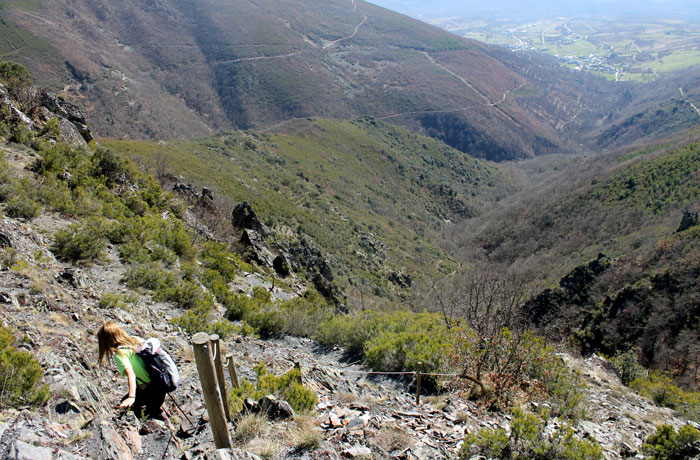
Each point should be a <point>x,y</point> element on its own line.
<point>513,9</point>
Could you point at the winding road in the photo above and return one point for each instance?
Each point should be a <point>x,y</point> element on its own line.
<point>357,27</point>
<point>688,101</point>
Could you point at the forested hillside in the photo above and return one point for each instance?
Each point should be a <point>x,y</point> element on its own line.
<point>640,210</point>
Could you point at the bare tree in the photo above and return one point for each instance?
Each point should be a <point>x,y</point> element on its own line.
<point>487,303</point>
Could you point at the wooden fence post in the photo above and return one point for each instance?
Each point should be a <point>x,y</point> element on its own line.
<point>220,379</point>
<point>232,370</point>
<point>210,388</point>
<point>418,373</point>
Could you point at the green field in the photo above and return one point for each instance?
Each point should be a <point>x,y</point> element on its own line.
<point>624,50</point>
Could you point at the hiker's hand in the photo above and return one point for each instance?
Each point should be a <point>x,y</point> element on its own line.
<point>128,402</point>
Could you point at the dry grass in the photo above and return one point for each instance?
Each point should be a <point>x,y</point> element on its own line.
<point>463,417</point>
<point>265,448</point>
<point>251,426</point>
<point>392,438</point>
<point>436,402</point>
<point>305,435</point>
<point>346,397</point>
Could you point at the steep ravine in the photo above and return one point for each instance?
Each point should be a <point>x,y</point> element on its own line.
<point>54,306</point>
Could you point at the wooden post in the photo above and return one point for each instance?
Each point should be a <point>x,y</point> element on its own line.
<point>219,366</point>
<point>212,395</point>
<point>232,370</point>
<point>418,373</point>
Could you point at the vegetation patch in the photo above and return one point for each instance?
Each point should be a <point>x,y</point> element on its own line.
<point>528,439</point>
<point>671,444</point>
<point>287,386</point>
<point>20,375</point>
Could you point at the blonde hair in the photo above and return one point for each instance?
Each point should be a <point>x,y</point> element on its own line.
<point>110,337</point>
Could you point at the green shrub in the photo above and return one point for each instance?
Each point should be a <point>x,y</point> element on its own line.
<point>406,339</point>
<point>214,256</point>
<point>21,134</point>
<point>194,320</point>
<point>268,322</point>
<point>22,206</point>
<point>80,242</point>
<point>111,300</point>
<point>151,275</point>
<point>509,363</point>
<point>15,77</point>
<point>628,367</point>
<point>287,386</point>
<point>669,444</point>
<point>20,375</point>
<point>660,388</point>
<point>527,441</point>
<point>52,128</point>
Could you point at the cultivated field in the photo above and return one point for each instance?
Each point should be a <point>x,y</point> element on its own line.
<point>619,50</point>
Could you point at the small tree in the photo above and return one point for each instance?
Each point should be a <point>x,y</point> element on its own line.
<point>20,375</point>
<point>487,302</point>
<point>18,81</point>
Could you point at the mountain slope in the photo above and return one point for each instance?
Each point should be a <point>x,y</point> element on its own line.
<point>638,209</point>
<point>179,68</point>
<point>371,195</point>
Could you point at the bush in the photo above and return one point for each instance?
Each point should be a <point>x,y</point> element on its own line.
<point>110,300</point>
<point>22,206</point>
<point>527,441</point>
<point>669,444</point>
<point>15,77</point>
<point>193,321</point>
<point>215,257</point>
<point>659,387</point>
<point>20,375</point>
<point>151,275</point>
<point>510,364</point>
<point>408,338</point>
<point>52,128</point>
<point>80,242</point>
<point>287,386</point>
<point>628,367</point>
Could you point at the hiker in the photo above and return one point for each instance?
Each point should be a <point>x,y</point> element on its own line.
<point>144,397</point>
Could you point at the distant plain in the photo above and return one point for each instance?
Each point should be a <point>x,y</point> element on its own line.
<point>624,50</point>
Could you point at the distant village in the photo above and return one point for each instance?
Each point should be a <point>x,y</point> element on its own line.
<point>591,62</point>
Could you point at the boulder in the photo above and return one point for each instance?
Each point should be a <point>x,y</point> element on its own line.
<point>244,218</point>
<point>20,450</point>
<point>275,409</point>
<point>357,451</point>
<point>258,250</point>
<point>184,189</point>
<point>402,280</point>
<point>16,115</point>
<point>67,407</point>
<point>281,266</point>
<point>67,111</point>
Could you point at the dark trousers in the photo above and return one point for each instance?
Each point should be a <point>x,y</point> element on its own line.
<point>148,401</point>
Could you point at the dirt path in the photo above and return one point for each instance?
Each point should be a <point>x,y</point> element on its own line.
<point>261,58</point>
<point>459,77</point>
<point>357,27</point>
<point>688,101</point>
<point>460,109</point>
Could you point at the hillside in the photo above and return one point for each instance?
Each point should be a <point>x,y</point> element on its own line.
<point>178,68</point>
<point>368,194</point>
<point>629,207</point>
<point>87,237</point>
